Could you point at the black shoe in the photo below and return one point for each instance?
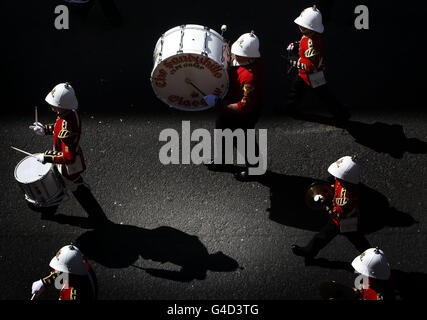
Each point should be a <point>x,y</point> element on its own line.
<point>299,251</point>
<point>242,176</point>
<point>212,166</point>
<point>302,252</point>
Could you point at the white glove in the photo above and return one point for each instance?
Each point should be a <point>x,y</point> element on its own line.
<point>40,157</point>
<point>38,128</point>
<point>37,287</point>
<point>291,47</point>
<point>211,99</point>
<point>319,198</point>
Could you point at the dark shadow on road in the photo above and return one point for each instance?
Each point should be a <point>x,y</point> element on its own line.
<point>120,246</point>
<point>89,203</point>
<point>408,285</point>
<point>288,207</point>
<point>380,137</point>
<point>84,196</point>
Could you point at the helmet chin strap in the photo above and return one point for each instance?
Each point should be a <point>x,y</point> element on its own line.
<point>236,63</point>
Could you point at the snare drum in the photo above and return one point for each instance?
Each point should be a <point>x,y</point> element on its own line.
<point>40,183</point>
<point>192,52</point>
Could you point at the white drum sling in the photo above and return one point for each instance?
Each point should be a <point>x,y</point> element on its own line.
<point>40,183</point>
<point>190,61</point>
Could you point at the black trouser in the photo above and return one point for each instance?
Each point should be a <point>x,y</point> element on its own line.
<point>299,89</point>
<point>237,121</point>
<point>328,233</point>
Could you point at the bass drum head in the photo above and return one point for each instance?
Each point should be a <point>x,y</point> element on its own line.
<point>29,170</point>
<point>168,80</point>
<point>190,53</point>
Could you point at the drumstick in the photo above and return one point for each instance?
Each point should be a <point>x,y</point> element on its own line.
<point>32,298</point>
<point>22,151</point>
<point>192,84</point>
<point>37,116</point>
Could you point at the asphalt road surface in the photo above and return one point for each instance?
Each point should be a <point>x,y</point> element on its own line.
<point>182,231</point>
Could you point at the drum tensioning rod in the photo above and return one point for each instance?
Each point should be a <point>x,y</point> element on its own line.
<point>194,86</point>
<point>24,152</point>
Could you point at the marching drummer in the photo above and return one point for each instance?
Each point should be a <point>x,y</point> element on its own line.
<point>310,65</point>
<point>373,280</point>
<point>241,106</point>
<point>344,214</point>
<point>66,131</point>
<point>71,274</point>
<point>373,267</point>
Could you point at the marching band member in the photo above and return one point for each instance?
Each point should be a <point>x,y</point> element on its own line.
<point>241,106</point>
<point>373,266</point>
<point>344,215</point>
<point>71,274</point>
<point>310,65</point>
<point>66,131</point>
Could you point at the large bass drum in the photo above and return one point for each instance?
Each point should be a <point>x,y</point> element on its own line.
<point>190,54</point>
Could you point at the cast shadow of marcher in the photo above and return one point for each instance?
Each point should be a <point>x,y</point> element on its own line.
<point>120,246</point>
<point>288,206</point>
<point>380,137</point>
<point>408,285</point>
<point>83,195</point>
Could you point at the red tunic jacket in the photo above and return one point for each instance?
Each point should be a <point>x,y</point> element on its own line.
<point>310,55</point>
<point>66,149</point>
<point>76,287</point>
<point>247,85</point>
<point>345,201</point>
<point>383,291</point>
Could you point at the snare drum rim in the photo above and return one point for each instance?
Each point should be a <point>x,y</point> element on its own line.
<point>16,168</point>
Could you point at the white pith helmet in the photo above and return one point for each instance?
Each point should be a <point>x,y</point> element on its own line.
<point>311,19</point>
<point>63,96</point>
<point>246,46</point>
<point>346,169</point>
<point>69,259</point>
<point>372,263</point>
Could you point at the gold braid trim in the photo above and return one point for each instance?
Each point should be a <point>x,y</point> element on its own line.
<point>310,52</point>
<point>50,279</point>
<point>50,155</point>
<point>49,128</point>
